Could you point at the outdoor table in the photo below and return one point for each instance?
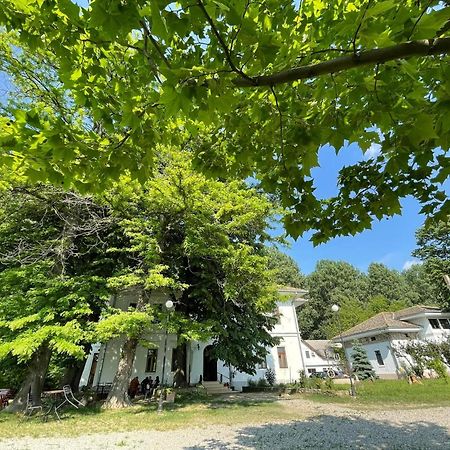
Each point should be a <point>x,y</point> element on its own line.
<point>54,399</point>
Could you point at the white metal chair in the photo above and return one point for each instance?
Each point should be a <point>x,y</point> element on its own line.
<point>68,398</point>
<point>33,404</point>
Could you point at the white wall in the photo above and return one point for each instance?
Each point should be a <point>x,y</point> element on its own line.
<point>286,331</point>
<point>383,343</point>
<point>315,361</point>
<point>427,331</point>
<point>108,361</point>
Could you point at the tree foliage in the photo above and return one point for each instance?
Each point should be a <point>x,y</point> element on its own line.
<point>331,282</point>
<point>361,366</point>
<point>433,248</point>
<point>287,272</point>
<point>208,238</point>
<point>251,89</point>
<point>53,271</point>
<point>359,295</point>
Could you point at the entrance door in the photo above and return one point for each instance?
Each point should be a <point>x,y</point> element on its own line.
<point>209,365</point>
<point>92,371</point>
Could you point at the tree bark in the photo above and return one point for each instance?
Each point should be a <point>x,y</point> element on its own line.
<point>179,377</point>
<point>118,395</point>
<point>72,374</point>
<point>34,381</point>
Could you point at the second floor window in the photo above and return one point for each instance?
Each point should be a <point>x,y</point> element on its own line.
<point>434,323</point>
<point>282,359</point>
<point>152,357</point>
<point>440,323</point>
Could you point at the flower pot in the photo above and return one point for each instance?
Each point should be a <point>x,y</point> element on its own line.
<point>170,397</point>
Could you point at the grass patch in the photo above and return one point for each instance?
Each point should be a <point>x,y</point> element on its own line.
<point>141,417</point>
<point>391,393</point>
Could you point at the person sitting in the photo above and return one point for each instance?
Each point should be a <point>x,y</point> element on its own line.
<point>134,387</point>
<point>144,384</point>
<point>149,388</point>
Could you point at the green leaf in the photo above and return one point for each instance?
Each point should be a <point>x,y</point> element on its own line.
<point>158,22</point>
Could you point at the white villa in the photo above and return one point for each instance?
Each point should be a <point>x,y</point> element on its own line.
<point>384,332</point>
<point>286,359</point>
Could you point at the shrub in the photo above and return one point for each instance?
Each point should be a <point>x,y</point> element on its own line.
<point>261,382</point>
<point>329,385</point>
<point>302,379</point>
<point>251,383</point>
<point>270,376</point>
<point>439,367</point>
<point>316,383</point>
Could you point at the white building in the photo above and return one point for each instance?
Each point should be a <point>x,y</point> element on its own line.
<point>387,331</point>
<point>287,358</point>
<point>320,356</point>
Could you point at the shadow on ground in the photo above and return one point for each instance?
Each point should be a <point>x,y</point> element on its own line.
<point>331,432</point>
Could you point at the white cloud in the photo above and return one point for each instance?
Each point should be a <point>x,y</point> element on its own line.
<point>388,258</point>
<point>373,151</point>
<point>411,262</point>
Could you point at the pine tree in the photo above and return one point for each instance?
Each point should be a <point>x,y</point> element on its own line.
<point>360,362</point>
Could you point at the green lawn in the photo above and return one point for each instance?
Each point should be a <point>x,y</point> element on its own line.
<point>391,393</point>
<point>140,417</point>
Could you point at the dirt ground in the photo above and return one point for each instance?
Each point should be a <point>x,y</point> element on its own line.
<point>321,426</point>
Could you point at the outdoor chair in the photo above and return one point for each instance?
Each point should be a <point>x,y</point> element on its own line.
<point>33,404</point>
<point>3,401</point>
<point>68,398</point>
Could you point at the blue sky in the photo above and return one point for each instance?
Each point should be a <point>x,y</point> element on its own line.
<point>390,241</point>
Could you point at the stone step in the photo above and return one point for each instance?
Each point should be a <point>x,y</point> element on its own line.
<point>214,387</point>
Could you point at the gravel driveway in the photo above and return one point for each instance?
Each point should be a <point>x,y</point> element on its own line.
<point>326,427</point>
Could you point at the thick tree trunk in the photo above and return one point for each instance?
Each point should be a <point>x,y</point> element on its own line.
<point>34,381</point>
<point>118,395</point>
<point>179,377</point>
<point>72,374</point>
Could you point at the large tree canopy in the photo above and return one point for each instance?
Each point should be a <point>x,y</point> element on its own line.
<point>361,295</point>
<point>207,240</point>
<point>251,88</point>
<point>433,248</point>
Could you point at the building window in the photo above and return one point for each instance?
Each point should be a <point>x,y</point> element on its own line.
<point>434,323</point>
<point>282,360</point>
<point>174,359</point>
<point>313,354</point>
<point>445,323</point>
<point>262,365</point>
<point>307,354</point>
<point>312,370</point>
<point>379,358</point>
<point>152,357</point>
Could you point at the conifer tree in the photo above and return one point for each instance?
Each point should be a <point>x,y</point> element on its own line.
<point>360,362</point>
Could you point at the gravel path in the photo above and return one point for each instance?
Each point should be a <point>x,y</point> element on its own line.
<point>326,427</point>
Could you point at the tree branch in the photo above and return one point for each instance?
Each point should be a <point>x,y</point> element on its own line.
<point>222,42</point>
<point>424,47</point>
<point>359,26</point>
<point>155,44</point>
